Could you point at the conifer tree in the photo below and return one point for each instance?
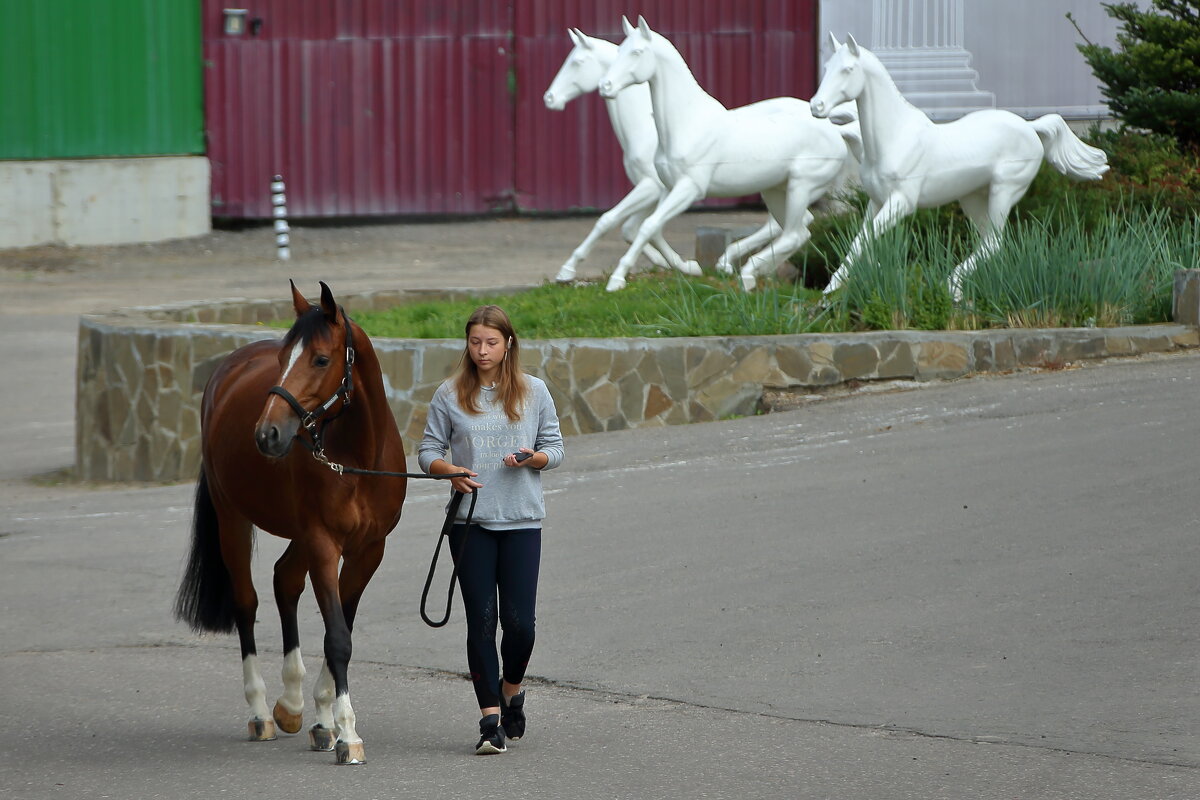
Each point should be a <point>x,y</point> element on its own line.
<point>1153,80</point>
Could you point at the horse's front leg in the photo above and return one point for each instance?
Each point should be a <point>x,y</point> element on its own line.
<point>332,694</point>
<point>684,193</point>
<point>743,247</point>
<point>658,251</point>
<point>339,623</point>
<point>643,197</point>
<point>878,218</point>
<point>290,571</point>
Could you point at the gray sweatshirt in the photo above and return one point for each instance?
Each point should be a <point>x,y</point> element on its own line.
<point>511,497</point>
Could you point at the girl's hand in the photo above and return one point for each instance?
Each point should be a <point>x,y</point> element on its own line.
<point>464,485</point>
<point>510,460</point>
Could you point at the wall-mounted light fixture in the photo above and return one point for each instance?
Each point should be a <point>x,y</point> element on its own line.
<point>235,21</point>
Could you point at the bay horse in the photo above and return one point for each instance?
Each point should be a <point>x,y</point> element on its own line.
<point>774,147</point>
<point>985,160</point>
<point>320,385</point>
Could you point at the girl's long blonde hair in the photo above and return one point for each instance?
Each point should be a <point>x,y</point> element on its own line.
<point>511,387</point>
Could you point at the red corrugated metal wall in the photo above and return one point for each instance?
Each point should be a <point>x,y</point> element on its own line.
<point>378,107</point>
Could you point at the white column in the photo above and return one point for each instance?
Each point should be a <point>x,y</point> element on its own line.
<point>921,42</point>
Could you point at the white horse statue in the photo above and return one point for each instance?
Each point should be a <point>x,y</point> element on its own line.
<point>774,147</point>
<point>985,161</point>
<point>633,124</point>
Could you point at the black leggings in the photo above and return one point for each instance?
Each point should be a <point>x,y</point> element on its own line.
<point>504,563</point>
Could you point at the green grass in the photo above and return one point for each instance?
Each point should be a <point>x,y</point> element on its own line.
<point>654,304</point>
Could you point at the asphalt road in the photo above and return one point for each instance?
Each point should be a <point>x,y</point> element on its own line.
<point>980,589</point>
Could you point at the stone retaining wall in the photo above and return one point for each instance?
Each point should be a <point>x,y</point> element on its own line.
<point>141,372</point>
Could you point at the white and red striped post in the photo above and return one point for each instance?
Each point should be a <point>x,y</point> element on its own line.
<point>279,212</point>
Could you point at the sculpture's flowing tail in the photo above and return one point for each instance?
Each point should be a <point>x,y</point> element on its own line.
<point>1067,152</point>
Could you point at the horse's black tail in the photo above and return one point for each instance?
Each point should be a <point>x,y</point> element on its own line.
<point>205,597</point>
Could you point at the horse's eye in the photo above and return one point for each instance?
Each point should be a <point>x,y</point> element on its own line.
<point>638,51</point>
<point>321,361</point>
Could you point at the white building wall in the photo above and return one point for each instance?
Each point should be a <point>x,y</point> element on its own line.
<point>1022,51</point>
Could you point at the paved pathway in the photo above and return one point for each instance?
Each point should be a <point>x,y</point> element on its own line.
<point>982,589</point>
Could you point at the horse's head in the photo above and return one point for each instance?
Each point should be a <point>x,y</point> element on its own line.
<point>635,62</point>
<point>843,80</point>
<point>315,362</point>
<point>582,71</point>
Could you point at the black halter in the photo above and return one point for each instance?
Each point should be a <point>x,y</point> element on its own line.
<point>311,421</point>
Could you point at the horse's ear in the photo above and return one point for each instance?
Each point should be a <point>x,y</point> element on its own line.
<point>328,304</point>
<point>298,300</point>
<point>584,40</point>
<point>574,34</point>
<point>853,45</point>
<point>626,25</point>
<point>834,41</point>
<point>644,26</point>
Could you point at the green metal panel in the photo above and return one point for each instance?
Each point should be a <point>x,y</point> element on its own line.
<point>86,78</point>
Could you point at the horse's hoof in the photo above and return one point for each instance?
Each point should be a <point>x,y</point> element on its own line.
<point>286,720</point>
<point>350,752</point>
<point>749,282</point>
<point>320,738</point>
<point>724,267</point>
<point>615,284</point>
<point>261,730</point>
<point>691,268</point>
<point>565,275</point>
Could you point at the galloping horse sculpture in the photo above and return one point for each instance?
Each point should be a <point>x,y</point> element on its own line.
<point>774,147</point>
<point>985,160</point>
<point>255,406</point>
<point>633,124</point>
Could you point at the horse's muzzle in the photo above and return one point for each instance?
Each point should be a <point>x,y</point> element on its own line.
<point>273,439</point>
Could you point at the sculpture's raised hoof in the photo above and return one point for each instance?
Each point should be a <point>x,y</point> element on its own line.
<point>350,753</point>
<point>691,268</point>
<point>261,730</point>
<point>287,721</point>
<point>615,284</point>
<point>724,267</point>
<point>565,275</point>
<point>320,738</point>
<point>749,282</point>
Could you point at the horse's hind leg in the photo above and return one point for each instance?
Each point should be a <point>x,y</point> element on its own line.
<point>743,247</point>
<point>988,209</point>
<point>236,545</point>
<point>290,571</point>
<point>792,209</point>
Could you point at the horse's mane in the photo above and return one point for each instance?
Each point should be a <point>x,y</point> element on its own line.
<point>309,324</point>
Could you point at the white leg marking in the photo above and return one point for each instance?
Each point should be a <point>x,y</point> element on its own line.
<point>323,697</point>
<point>293,683</point>
<point>343,715</point>
<point>256,690</point>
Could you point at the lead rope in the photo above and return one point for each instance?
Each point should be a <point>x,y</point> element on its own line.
<point>451,512</point>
